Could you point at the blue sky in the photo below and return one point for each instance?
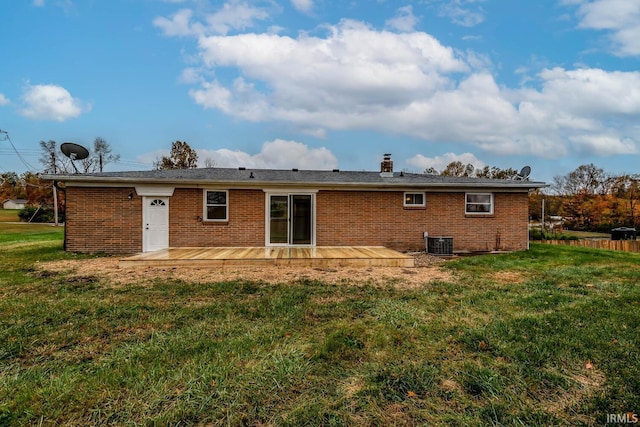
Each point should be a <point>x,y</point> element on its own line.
<point>320,84</point>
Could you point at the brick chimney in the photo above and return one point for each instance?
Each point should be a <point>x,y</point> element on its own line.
<point>386,166</point>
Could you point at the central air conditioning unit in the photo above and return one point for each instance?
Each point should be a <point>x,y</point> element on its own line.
<point>441,246</point>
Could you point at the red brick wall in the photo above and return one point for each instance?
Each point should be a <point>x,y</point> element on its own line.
<point>379,218</point>
<point>244,228</point>
<point>104,220</point>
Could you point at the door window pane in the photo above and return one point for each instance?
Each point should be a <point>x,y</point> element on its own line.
<point>301,220</point>
<point>279,219</point>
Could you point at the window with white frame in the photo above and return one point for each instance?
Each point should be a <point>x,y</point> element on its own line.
<point>216,205</point>
<point>479,203</point>
<point>414,200</point>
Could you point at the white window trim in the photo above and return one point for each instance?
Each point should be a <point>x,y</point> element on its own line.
<point>412,205</point>
<point>479,213</point>
<point>204,205</point>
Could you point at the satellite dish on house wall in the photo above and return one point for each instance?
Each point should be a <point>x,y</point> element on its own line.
<point>524,173</point>
<point>74,152</point>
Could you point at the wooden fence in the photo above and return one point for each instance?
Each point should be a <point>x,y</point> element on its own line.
<point>613,245</point>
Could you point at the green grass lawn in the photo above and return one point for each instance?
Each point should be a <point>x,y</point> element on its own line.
<point>587,234</point>
<point>9,215</point>
<point>544,337</point>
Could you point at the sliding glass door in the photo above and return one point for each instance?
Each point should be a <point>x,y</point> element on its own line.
<point>290,219</point>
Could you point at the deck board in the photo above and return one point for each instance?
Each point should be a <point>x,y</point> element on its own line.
<point>319,256</point>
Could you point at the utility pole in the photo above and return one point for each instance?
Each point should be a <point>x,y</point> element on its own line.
<point>55,190</point>
<point>55,204</point>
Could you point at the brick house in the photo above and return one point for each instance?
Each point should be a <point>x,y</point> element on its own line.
<point>131,212</point>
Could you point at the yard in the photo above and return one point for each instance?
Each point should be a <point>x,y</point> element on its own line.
<point>544,337</point>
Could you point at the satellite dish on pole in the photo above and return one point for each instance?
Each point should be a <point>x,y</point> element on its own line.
<point>74,152</point>
<point>524,173</point>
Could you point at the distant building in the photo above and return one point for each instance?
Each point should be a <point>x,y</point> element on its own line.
<point>14,204</point>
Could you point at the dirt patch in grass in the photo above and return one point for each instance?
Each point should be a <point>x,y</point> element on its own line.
<point>428,268</point>
<point>586,385</point>
<point>507,277</point>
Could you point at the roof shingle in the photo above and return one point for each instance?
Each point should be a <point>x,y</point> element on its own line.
<point>255,177</point>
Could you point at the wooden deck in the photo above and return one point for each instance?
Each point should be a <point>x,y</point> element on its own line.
<point>319,256</point>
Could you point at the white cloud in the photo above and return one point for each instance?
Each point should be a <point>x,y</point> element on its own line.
<point>4,100</point>
<point>462,13</point>
<point>178,25</point>
<point>190,76</point>
<point>604,145</point>
<point>619,17</point>
<point>440,162</point>
<point>590,92</point>
<point>355,77</point>
<point>233,15</point>
<point>51,102</point>
<point>38,3</point>
<point>354,72</point>
<point>404,21</point>
<point>276,154</point>
<point>303,6</point>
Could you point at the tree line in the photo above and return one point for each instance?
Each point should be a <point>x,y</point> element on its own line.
<point>457,168</point>
<point>591,199</point>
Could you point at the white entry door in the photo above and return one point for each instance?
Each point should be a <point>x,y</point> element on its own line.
<point>155,223</point>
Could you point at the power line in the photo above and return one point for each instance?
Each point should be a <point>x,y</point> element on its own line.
<point>24,152</point>
<point>133,162</point>
<point>24,162</point>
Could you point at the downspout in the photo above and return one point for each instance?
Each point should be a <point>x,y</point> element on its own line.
<point>64,190</point>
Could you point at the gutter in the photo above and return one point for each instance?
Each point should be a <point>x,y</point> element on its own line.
<point>85,181</point>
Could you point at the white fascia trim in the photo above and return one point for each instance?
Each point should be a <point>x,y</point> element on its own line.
<point>154,190</point>
<point>290,190</point>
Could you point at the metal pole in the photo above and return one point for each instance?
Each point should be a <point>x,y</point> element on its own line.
<point>543,214</point>
<point>55,205</point>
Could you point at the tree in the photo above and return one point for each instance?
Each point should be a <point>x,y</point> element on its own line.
<point>597,201</point>
<point>431,171</point>
<point>182,156</point>
<point>11,187</point>
<point>209,163</point>
<point>626,188</point>
<point>100,157</point>
<point>52,159</point>
<point>38,192</point>
<point>458,169</point>
<point>494,172</point>
<point>55,162</point>
<point>585,179</point>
